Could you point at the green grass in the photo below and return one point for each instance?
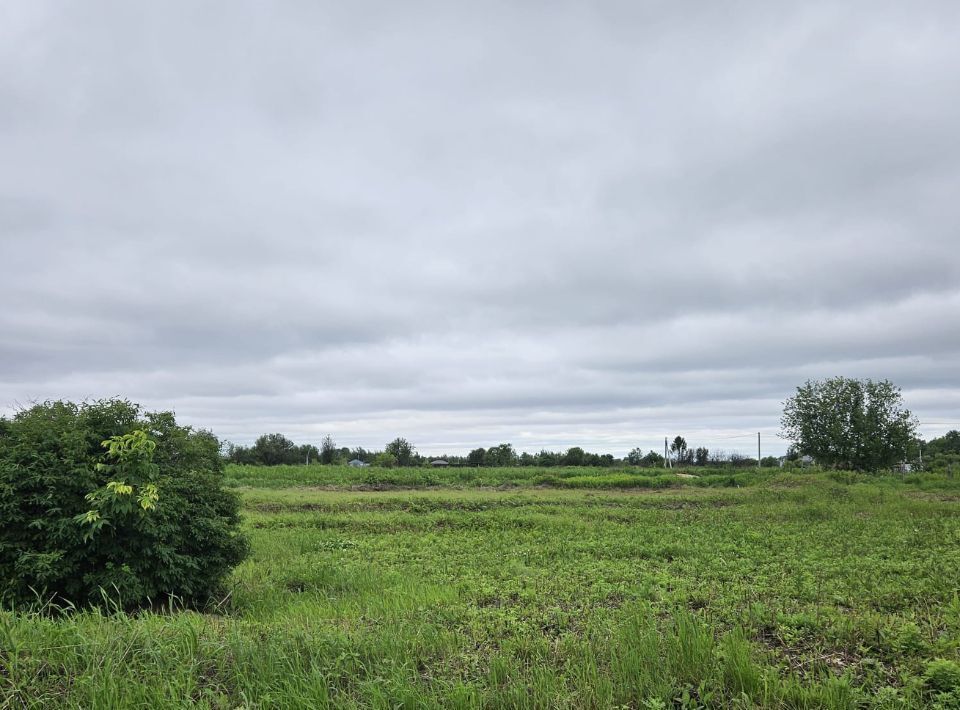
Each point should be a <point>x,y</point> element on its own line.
<point>807,590</point>
<point>375,478</point>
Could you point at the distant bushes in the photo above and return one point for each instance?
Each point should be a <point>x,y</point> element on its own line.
<point>103,501</point>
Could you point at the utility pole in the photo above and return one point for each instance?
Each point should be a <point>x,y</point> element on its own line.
<point>666,459</point>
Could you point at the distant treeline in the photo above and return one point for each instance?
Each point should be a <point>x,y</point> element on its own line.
<point>943,452</point>
<point>276,449</point>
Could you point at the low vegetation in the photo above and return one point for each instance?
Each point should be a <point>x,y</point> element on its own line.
<point>376,477</point>
<point>833,590</point>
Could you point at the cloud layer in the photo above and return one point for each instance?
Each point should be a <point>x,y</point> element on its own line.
<point>547,223</point>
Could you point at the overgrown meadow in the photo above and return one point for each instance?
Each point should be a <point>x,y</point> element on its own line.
<point>551,588</point>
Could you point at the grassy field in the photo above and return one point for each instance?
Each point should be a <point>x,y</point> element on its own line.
<point>375,478</point>
<point>804,590</point>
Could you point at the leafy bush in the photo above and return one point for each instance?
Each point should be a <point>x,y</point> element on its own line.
<point>102,501</point>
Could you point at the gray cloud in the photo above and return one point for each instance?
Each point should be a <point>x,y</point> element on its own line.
<point>550,224</point>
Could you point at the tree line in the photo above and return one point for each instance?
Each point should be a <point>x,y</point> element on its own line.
<point>276,449</point>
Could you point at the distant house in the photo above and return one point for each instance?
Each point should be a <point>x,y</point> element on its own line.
<point>357,463</point>
<point>903,467</point>
<point>439,462</point>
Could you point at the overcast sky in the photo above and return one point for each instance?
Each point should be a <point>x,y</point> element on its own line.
<point>546,223</point>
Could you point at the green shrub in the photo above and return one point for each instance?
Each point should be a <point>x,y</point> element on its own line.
<point>102,501</point>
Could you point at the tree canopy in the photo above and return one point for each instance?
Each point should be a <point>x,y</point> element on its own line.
<point>857,424</point>
<point>402,450</point>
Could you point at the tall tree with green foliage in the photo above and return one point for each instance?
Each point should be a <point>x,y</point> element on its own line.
<point>275,449</point>
<point>679,449</point>
<point>328,450</point>
<point>502,455</point>
<point>574,456</point>
<point>402,450</point>
<point>857,424</point>
<point>477,457</point>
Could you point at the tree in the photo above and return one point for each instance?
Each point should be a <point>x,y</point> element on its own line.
<point>502,455</point>
<point>328,450</point>
<point>949,443</point>
<point>307,453</point>
<point>402,450</point>
<point>235,453</point>
<point>549,458</point>
<point>678,447</point>
<point>574,456</point>
<point>702,456</point>
<point>849,423</point>
<point>385,460</point>
<point>941,453</point>
<point>635,456</point>
<point>477,457</point>
<point>652,460</point>
<point>103,499</point>
<point>275,449</point>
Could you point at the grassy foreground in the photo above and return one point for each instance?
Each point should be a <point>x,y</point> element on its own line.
<point>797,591</point>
